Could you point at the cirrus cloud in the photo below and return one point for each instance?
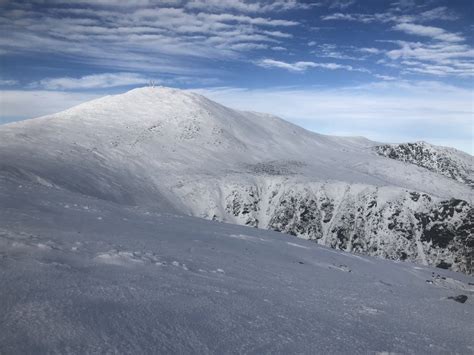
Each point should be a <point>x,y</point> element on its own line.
<point>95,81</point>
<point>302,66</point>
<point>428,31</point>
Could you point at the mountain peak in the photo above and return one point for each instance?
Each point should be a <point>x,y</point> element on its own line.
<point>146,96</point>
<point>158,91</point>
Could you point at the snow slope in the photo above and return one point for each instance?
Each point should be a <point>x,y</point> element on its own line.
<point>179,152</point>
<point>80,274</point>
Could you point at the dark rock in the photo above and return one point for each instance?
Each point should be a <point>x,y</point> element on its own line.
<point>460,298</point>
<point>443,265</point>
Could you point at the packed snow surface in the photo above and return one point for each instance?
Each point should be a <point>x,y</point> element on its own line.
<point>83,275</point>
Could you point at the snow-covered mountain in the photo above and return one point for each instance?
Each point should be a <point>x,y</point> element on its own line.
<point>101,250</point>
<point>180,152</point>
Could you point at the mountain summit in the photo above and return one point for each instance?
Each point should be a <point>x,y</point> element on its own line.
<point>179,151</point>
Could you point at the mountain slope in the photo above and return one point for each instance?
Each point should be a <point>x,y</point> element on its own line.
<point>445,161</point>
<point>180,152</point>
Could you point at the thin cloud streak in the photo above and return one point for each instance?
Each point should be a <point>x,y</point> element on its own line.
<point>303,66</point>
<point>96,81</point>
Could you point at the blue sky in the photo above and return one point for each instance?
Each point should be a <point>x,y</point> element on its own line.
<point>393,71</point>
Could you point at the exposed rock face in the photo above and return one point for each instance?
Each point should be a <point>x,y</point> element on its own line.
<point>397,225</point>
<point>445,161</point>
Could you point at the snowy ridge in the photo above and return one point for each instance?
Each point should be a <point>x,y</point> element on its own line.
<point>180,152</point>
<point>445,161</point>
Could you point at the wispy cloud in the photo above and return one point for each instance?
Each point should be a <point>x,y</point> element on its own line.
<point>96,81</point>
<point>428,31</point>
<point>327,50</point>
<point>247,6</point>
<point>154,35</point>
<point>396,14</point>
<point>356,17</point>
<point>370,50</point>
<point>302,66</point>
<point>340,4</point>
<point>385,77</point>
<point>4,82</point>
<point>443,53</point>
<point>437,59</point>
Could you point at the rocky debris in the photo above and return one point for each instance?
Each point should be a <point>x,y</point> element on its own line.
<point>275,167</point>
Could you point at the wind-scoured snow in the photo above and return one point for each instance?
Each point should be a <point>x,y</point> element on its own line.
<point>84,275</point>
<point>178,151</point>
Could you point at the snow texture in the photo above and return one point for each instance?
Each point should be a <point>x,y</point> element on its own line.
<point>137,280</point>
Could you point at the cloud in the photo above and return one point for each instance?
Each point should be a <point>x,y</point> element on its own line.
<point>303,66</point>
<point>439,59</point>
<point>8,82</point>
<point>370,50</point>
<point>443,55</point>
<point>110,3</point>
<point>336,52</point>
<point>247,6</point>
<point>151,35</point>
<point>364,18</point>
<point>297,66</point>
<point>340,4</point>
<point>399,13</point>
<point>248,46</point>
<point>385,77</point>
<point>438,13</point>
<point>96,81</point>
<point>428,31</point>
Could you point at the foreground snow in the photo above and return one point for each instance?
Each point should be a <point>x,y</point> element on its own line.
<point>83,275</point>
